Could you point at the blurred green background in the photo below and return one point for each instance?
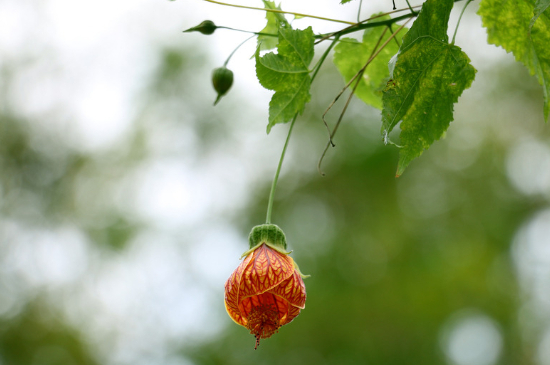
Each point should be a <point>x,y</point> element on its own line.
<point>126,200</point>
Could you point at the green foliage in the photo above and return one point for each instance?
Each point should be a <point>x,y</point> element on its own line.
<point>427,77</point>
<point>540,7</point>
<point>274,22</point>
<point>287,73</point>
<point>381,295</point>
<point>350,57</point>
<point>426,74</point>
<point>378,294</point>
<point>523,28</point>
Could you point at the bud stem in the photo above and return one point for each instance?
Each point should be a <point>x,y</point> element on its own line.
<point>235,50</point>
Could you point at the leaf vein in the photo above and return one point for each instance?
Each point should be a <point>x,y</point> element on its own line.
<point>298,89</point>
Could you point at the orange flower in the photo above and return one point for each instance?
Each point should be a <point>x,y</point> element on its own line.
<point>266,291</point>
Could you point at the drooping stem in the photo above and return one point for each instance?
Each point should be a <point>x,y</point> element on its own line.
<point>357,77</point>
<point>331,134</point>
<point>279,11</point>
<point>459,18</point>
<point>318,67</point>
<point>276,178</point>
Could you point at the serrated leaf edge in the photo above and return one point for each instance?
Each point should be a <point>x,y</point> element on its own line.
<point>271,120</point>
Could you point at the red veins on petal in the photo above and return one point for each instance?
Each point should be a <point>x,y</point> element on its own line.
<point>292,313</point>
<point>293,290</point>
<point>267,269</point>
<point>232,292</point>
<point>265,292</point>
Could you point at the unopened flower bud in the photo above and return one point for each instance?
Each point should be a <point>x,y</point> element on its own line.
<point>266,291</point>
<point>222,79</point>
<point>206,27</point>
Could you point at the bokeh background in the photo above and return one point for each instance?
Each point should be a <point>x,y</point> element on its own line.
<point>126,199</point>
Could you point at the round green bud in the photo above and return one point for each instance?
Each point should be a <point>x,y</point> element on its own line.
<point>269,234</point>
<point>222,79</point>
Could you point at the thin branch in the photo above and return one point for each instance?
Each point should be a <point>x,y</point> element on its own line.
<point>359,74</point>
<point>363,25</point>
<point>279,11</point>
<point>247,31</point>
<point>396,41</point>
<point>337,125</point>
<point>373,56</point>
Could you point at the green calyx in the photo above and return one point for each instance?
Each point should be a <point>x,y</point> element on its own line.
<point>272,236</point>
<point>268,234</point>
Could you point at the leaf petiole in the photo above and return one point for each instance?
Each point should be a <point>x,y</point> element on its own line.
<point>458,23</point>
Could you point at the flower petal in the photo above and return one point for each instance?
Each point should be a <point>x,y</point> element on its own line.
<point>235,316</point>
<point>267,269</point>
<point>232,292</point>
<point>285,311</point>
<point>293,290</point>
<point>292,313</point>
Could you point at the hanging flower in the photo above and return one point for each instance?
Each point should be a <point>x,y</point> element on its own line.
<point>266,291</point>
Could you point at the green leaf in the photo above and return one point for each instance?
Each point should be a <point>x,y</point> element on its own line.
<point>540,7</point>
<point>427,77</point>
<point>274,22</point>
<point>523,28</point>
<point>350,57</point>
<point>539,33</point>
<point>344,1</point>
<point>287,73</point>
